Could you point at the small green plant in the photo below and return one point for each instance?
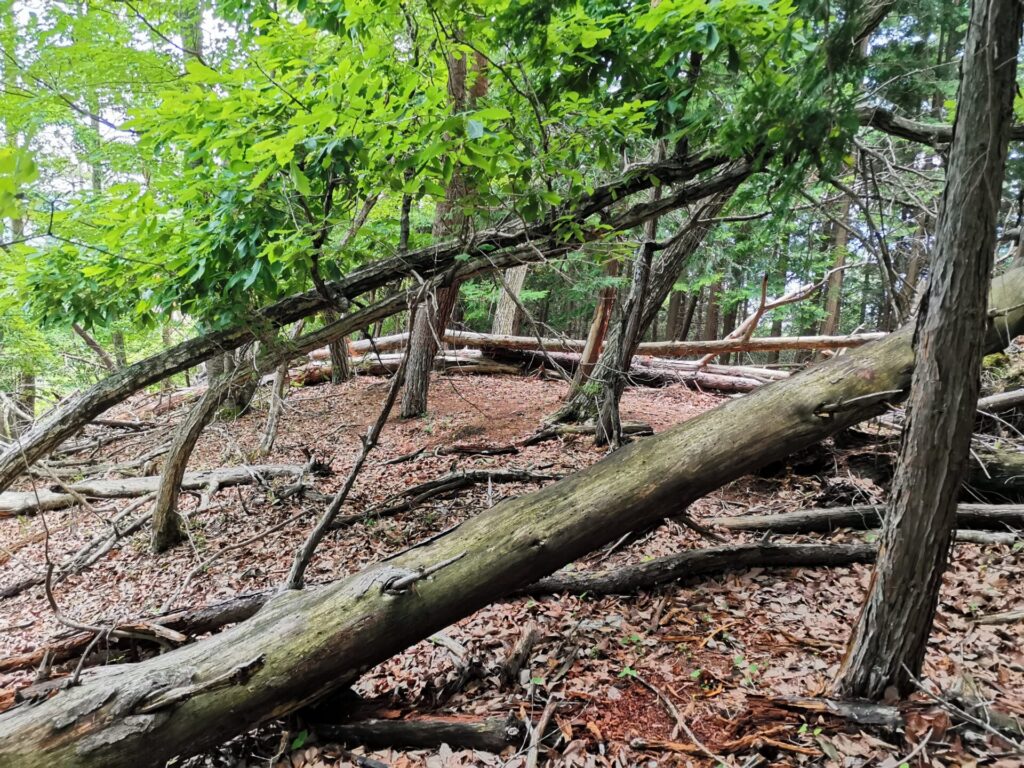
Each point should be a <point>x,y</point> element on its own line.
<point>750,671</point>
<point>628,672</point>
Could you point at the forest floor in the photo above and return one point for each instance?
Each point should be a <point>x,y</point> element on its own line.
<point>716,648</point>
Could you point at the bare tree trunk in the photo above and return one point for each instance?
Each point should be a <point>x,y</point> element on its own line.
<point>687,320</point>
<point>676,303</point>
<point>890,639</point>
<point>507,316</point>
<point>277,392</point>
<point>598,329</point>
<point>834,287</point>
<point>338,349</point>
<point>167,523</point>
<point>120,352</point>
<point>711,312</point>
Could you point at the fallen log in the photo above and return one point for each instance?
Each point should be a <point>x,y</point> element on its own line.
<point>702,562</point>
<point>656,373</point>
<point>651,348</point>
<point>450,482</point>
<point>625,580</point>
<point>1003,401</point>
<point>645,371</point>
<point>490,735</point>
<point>383,365</point>
<point>13,503</point>
<point>304,644</point>
<point>970,516</point>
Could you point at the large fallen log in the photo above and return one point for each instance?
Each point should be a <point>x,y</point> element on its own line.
<point>971,516</point>
<point>653,348</point>
<point>303,645</point>
<point>13,503</point>
<point>645,371</point>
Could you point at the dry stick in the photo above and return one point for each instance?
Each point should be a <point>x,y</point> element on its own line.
<point>680,723</point>
<point>306,551</point>
<point>538,733</point>
<point>963,714</point>
<point>746,329</point>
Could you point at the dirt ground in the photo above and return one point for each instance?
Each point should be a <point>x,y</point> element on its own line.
<point>621,670</point>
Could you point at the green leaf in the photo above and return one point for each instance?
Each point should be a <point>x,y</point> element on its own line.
<point>300,740</point>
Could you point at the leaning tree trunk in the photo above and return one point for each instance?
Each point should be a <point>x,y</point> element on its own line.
<point>598,328</point>
<point>303,645</point>
<point>167,523</point>
<point>491,249</point>
<point>583,404</point>
<point>280,386</point>
<point>891,636</point>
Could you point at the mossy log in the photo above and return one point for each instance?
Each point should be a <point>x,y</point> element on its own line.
<point>304,644</point>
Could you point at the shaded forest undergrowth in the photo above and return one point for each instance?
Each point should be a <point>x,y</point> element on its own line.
<point>612,677</point>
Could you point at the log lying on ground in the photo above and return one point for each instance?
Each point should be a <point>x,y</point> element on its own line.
<point>629,579</point>
<point>701,562</point>
<point>303,645</point>
<point>1003,401</point>
<point>653,348</point>
<point>14,503</point>
<point>657,373</point>
<point>382,365</point>
<point>490,735</point>
<point>971,516</point>
<point>645,371</point>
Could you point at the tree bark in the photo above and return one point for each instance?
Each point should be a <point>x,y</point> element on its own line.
<point>303,645</point>
<point>507,316</point>
<point>338,350</point>
<point>167,524</point>
<point>891,635</point>
<point>598,328</point>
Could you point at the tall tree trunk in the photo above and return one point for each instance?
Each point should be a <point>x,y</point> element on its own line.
<point>676,302</point>
<point>338,349</point>
<point>120,351</point>
<point>891,636</point>
<point>432,313</point>
<point>167,527</point>
<point>507,316</point>
<point>834,287</point>
<point>305,644</point>
<point>711,313</point>
<point>687,320</point>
